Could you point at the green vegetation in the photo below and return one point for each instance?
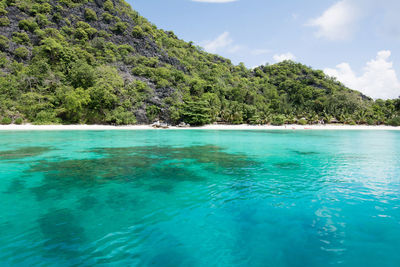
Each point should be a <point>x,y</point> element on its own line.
<point>21,52</point>
<point>90,15</point>
<point>302,122</point>
<point>18,121</point>
<point>278,120</point>
<point>107,17</point>
<point>4,43</point>
<point>4,21</point>
<point>120,27</point>
<point>108,5</point>
<point>101,62</point>
<point>21,38</point>
<point>196,113</point>
<point>6,120</point>
<point>137,32</point>
<point>28,25</point>
<point>394,121</point>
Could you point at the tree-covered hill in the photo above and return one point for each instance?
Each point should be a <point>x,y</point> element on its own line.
<point>101,62</point>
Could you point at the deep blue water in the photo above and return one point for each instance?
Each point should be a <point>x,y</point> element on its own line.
<point>200,198</point>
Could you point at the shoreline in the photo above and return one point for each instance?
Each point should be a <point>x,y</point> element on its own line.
<point>29,127</point>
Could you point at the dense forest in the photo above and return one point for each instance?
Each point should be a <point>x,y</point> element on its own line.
<point>95,61</point>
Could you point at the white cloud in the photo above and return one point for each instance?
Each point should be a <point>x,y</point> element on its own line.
<point>222,41</point>
<point>338,22</point>
<point>379,79</point>
<point>214,1</point>
<point>235,48</point>
<point>224,45</point>
<point>341,20</point>
<point>283,57</point>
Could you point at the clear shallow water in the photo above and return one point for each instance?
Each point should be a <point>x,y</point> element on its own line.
<point>200,198</point>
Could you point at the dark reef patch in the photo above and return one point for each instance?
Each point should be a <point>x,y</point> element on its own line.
<point>162,187</point>
<point>87,202</point>
<point>136,165</point>
<point>209,154</point>
<point>23,152</point>
<point>16,186</point>
<point>121,201</point>
<point>305,153</point>
<point>287,165</point>
<point>169,251</point>
<point>62,233</point>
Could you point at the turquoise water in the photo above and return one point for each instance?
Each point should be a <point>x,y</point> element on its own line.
<point>200,198</point>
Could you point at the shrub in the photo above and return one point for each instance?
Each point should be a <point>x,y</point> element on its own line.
<point>4,21</point>
<point>152,112</point>
<point>53,33</point>
<point>196,113</point>
<point>57,17</point>
<point>119,27</point>
<point>68,31</point>
<point>125,50</point>
<point>82,24</point>
<point>21,38</point>
<point>90,15</point>
<point>119,116</point>
<point>3,11</point>
<point>278,120</point>
<point>148,29</point>
<point>84,30</point>
<point>59,8</point>
<point>80,34</point>
<point>41,34</point>
<point>302,122</point>
<point>5,121</point>
<point>91,32</point>
<point>371,122</point>
<point>21,52</point>
<point>82,75</point>
<point>108,5</point>
<point>3,60</point>
<point>18,121</point>
<point>103,33</point>
<point>130,60</point>
<point>28,25</point>
<point>107,17</point>
<point>394,122</point>
<point>42,20</point>
<point>137,32</point>
<point>44,8</point>
<point>46,117</point>
<point>4,43</point>
<point>162,83</point>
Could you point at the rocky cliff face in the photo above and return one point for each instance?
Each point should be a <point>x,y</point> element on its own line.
<point>61,16</point>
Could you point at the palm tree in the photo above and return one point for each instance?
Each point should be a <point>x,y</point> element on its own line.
<point>327,117</point>
<point>361,116</point>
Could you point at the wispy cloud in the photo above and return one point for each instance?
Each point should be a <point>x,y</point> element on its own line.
<point>338,22</point>
<point>223,41</point>
<point>283,57</point>
<point>378,80</point>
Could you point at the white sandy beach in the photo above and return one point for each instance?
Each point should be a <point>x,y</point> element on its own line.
<point>29,127</point>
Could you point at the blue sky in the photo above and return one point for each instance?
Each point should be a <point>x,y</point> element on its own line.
<point>356,41</point>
